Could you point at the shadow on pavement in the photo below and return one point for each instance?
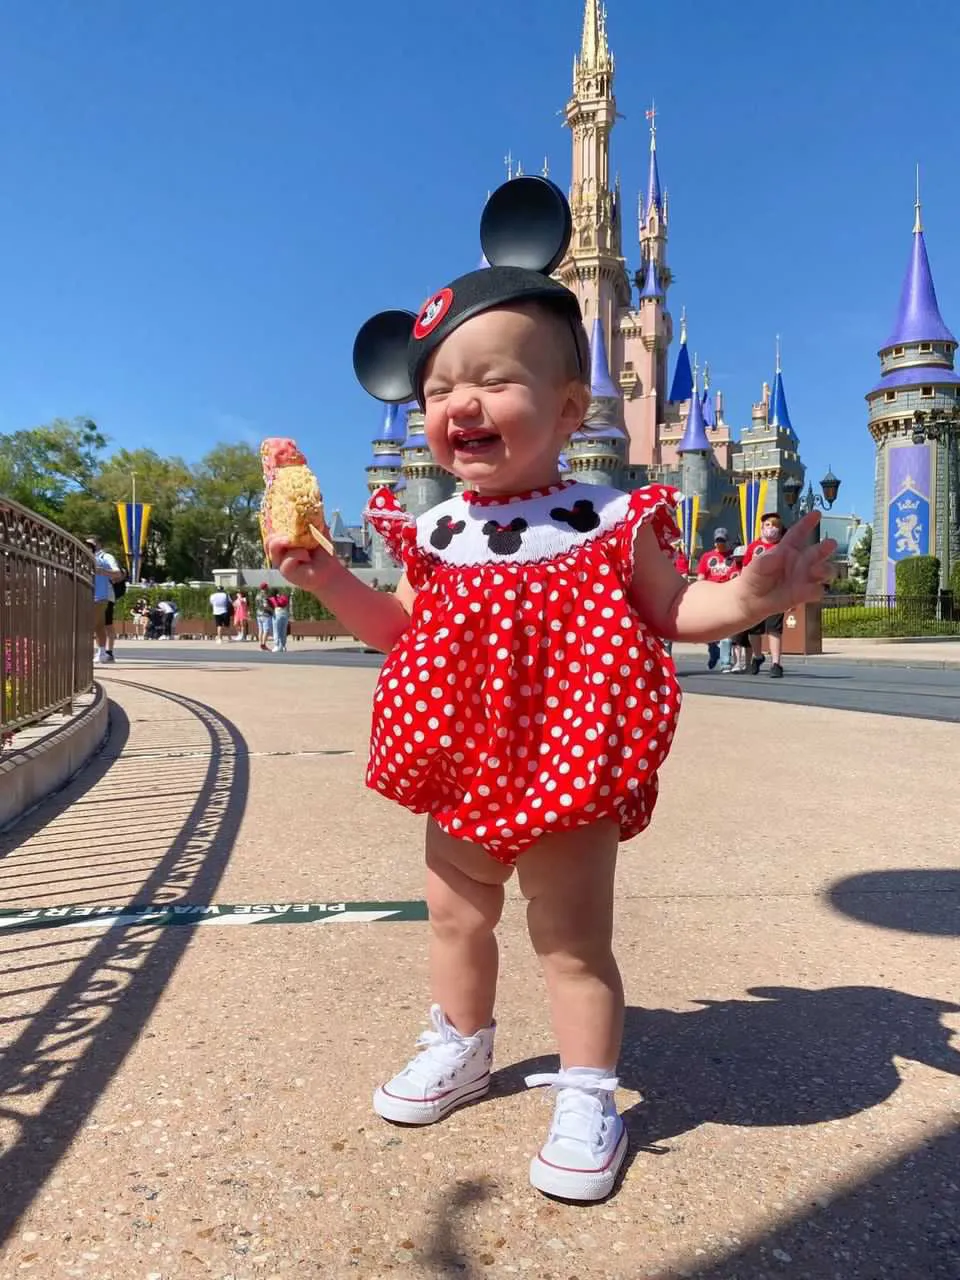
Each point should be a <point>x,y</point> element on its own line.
<point>903,1224</point>
<point>790,1056</point>
<point>54,1072</point>
<point>911,900</point>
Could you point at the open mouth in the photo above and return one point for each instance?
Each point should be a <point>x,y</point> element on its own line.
<point>474,442</point>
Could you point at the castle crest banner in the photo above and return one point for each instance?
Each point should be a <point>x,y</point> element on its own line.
<point>909,506</point>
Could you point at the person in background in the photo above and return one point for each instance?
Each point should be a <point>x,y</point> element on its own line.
<point>241,615</point>
<point>169,611</point>
<point>719,565</point>
<point>771,531</point>
<point>264,612</point>
<point>280,602</point>
<point>739,643</point>
<point>139,615</point>
<point>107,572</point>
<point>220,604</point>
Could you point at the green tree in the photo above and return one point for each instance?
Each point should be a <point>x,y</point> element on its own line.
<point>41,467</point>
<point>217,529</point>
<point>860,559</point>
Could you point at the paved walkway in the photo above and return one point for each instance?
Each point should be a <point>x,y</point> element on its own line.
<point>183,1102</point>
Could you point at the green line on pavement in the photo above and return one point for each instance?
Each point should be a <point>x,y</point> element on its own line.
<point>163,915</point>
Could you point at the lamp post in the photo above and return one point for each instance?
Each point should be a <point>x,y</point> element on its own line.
<point>938,425</point>
<point>801,506</point>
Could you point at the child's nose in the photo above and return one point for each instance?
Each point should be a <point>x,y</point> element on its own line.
<point>463,402</point>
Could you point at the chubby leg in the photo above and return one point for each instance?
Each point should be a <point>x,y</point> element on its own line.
<point>568,881</point>
<point>465,900</point>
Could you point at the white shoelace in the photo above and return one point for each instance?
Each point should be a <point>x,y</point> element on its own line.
<point>579,1116</point>
<point>440,1049</point>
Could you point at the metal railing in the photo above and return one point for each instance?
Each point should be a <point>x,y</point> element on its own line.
<point>891,615</point>
<point>46,617</point>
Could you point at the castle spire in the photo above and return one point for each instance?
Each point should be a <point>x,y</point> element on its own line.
<point>601,384</point>
<point>594,51</point>
<point>709,411</point>
<point>651,286</point>
<point>778,415</point>
<point>682,386</point>
<point>654,194</point>
<point>918,315</point>
<point>695,434</point>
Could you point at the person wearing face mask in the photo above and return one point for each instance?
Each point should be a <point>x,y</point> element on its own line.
<point>719,565</point>
<point>771,531</point>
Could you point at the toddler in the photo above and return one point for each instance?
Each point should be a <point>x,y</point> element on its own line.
<point>526,702</point>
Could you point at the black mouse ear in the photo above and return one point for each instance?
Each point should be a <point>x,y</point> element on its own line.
<point>526,223</point>
<point>380,356</point>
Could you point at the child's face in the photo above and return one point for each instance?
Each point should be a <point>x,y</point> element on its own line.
<point>500,405</point>
<point>770,531</point>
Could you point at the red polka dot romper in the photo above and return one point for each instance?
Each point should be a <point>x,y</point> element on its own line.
<point>527,696</point>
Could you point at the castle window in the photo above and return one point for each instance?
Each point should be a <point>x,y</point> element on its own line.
<point>890,396</point>
<point>898,351</point>
<point>926,346</point>
<point>927,392</point>
<point>628,366</point>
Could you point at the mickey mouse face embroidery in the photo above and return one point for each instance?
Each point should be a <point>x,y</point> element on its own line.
<point>504,539</point>
<point>432,313</point>
<point>582,518</point>
<point>445,532</point>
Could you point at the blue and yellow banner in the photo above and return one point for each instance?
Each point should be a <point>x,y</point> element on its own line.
<point>688,517</point>
<point>134,523</point>
<point>753,496</point>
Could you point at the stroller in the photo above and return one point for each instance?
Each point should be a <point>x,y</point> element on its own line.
<point>154,623</point>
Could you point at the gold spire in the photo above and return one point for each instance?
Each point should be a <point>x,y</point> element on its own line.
<point>683,324</point>
<point>594,51</point>
<point>778,370</point>
<point>917,224</point>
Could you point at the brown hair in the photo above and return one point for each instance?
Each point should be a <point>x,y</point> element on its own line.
<point>773,517</point>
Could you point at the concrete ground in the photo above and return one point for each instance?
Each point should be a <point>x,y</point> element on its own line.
<point>181,1102</point>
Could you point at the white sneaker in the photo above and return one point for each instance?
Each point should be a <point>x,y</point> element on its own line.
<point>450,1070</point>
<point>583,1153</point>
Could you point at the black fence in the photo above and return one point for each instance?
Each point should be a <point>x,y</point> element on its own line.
<point>46,618</point>
<point>891,615</point>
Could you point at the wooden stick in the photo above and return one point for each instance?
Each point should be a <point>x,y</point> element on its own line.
<point>322,539</point>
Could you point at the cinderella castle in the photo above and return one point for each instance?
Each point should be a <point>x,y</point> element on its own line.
<point>650,422</point>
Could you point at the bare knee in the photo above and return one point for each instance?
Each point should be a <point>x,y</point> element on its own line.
<point>465,887</point>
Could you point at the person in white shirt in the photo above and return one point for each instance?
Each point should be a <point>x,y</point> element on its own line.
<point>220,604</point>
<point>107,573</point>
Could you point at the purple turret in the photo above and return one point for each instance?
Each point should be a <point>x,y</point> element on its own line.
<point>695,434</point>
<point>682,386</point>
<point>651,286</point>
<point>602,385</point>
<point>706,400</point>
<point>918,315</point>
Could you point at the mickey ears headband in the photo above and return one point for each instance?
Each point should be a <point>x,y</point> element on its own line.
<point>524,231</point>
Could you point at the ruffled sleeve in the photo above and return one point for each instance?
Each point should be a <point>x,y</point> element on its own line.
<point>399,531</point>
<point>654,504</point>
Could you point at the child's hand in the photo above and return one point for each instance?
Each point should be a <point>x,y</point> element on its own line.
<point>301,566</point>
<point>793,573</point>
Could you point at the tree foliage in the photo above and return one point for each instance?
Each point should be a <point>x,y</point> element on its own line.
<point>203,515</point>
<point>860,559</point>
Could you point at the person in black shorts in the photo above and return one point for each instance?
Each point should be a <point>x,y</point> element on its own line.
<point>771,531</point>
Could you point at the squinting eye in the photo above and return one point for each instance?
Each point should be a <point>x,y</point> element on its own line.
<point>493,382</point>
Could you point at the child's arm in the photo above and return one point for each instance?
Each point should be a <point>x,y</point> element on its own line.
<point>378,618</point>
<point>699,612</point>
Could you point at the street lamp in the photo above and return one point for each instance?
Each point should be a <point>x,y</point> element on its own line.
<point>830,486</point>
<point>939,425</point>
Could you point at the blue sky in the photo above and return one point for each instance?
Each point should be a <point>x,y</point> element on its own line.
<point>201,202</point>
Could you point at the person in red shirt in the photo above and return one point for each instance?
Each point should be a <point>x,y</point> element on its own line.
<point>718,565</point>
<point>680,561</point>
<point>771,531</point>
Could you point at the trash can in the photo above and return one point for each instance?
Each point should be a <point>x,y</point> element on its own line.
<point>803,629</point>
